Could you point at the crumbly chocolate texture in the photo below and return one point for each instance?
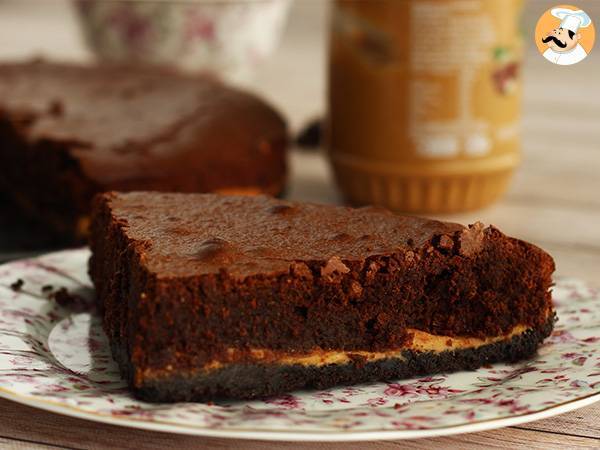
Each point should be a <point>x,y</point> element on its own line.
<point>182,278</point>
<point>68,132</point>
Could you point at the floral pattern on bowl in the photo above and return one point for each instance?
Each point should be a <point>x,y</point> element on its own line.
<point>57,358</point>
<point>227,37</point>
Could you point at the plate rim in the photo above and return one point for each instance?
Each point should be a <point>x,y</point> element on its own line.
<point>295,436</point>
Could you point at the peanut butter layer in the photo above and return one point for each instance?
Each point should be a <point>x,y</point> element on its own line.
<point>419,342</point>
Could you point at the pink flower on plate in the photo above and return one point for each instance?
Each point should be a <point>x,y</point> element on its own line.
<point>286,402</point>
<point>377,401</point>
<point>56,388</point>
<point>580,361</point>
<point>406,425</point>
<point>400,390</point>
<point>575,295</point>
<point>133,28</point>
<point>350,391</point>
<point>199,26</point>
<point>561,337</point>
<point>21,360</point>
<point>470,415</point>
<point>411,390</point>
<point>513,406</point>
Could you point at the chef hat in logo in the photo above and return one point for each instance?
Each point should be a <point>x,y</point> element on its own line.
<point>571,19</point>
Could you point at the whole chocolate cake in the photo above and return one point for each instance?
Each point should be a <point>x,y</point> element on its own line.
<point>206,296</point>
<point>68,132</point>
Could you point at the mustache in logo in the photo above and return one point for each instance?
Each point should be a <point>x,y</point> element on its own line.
<point>555,40</point>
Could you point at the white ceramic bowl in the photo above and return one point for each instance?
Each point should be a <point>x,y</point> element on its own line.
<point>229,38</point>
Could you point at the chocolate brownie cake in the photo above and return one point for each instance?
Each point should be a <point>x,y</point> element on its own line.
<point>206,296</point>
<point>68,132</point>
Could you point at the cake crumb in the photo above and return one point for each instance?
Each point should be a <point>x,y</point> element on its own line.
<point>311,135</point>
<point>47,288</point>
<point>334,268</point>
<point>70,300</point>
<point>17,285</point>
<point>356,289</point>
<point>56,108</point>
<point>301,270</point>
<point>446,242</point>
<point>409,256</point>
<point>371,271</point>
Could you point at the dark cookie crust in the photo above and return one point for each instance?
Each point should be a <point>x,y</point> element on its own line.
<point>68,132</point>
<point>250,381</point>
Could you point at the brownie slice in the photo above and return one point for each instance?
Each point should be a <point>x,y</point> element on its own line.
<point>68,132</point>
<point>206,296</point>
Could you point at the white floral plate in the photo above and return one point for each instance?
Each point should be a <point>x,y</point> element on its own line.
<point>55,358</point>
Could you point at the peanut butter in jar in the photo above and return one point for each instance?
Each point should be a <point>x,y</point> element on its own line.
<point>424,101</point>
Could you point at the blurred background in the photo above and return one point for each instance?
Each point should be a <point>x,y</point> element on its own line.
<point>554,198</point>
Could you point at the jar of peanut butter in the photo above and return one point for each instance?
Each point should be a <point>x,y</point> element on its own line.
<point>424,101</point>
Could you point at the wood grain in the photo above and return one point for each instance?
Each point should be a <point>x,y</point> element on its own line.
<point>553,201</point>
<point>502,439</point>
<point>583,422</point>
<point>10,444</point>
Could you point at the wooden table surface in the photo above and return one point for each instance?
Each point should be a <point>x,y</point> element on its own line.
<point>554,201</point>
